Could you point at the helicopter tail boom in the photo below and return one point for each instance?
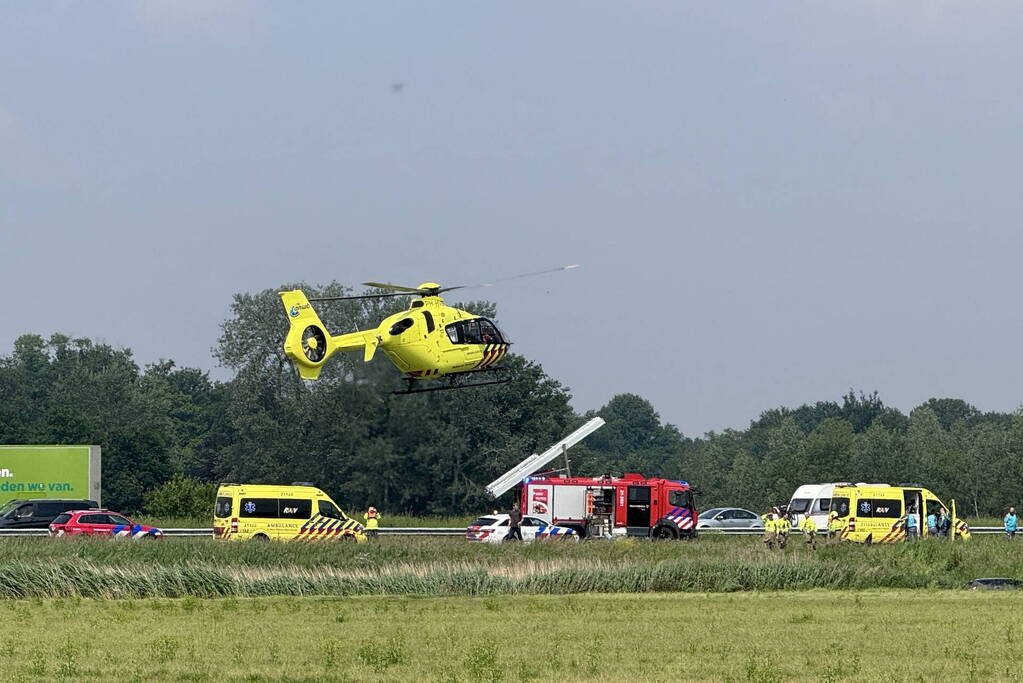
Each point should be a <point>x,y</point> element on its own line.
<point>309,344</point>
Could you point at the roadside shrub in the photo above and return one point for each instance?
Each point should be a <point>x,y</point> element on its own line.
<point>181,497</point>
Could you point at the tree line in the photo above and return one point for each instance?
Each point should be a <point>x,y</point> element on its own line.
<point>434,453</point>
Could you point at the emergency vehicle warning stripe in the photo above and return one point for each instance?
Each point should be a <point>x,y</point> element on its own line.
<point>683,517</point>
<point>326,527</point>
<point>491,354</point>
<point>549,531</point>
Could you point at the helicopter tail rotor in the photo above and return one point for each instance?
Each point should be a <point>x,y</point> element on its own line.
<point>308,344</point>
<point>314,343</point>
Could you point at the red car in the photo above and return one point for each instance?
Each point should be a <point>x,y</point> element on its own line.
<point>100,523</point>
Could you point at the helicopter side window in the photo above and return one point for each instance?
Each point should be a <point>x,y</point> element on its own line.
<point>471,332</point>
<point>400,326</point>
<point>429,321</point>
<point>488,332</point>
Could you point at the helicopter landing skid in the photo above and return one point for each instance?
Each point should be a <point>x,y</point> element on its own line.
<point>453,383</point>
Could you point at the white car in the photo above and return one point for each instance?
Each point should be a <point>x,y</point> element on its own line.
<point>494,529</point>
<point>729,518</point>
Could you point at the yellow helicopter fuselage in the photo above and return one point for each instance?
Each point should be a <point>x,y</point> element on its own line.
<point>430,339</point>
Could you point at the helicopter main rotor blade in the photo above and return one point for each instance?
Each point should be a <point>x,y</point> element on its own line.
<point>361,296</point>
<point>399,288</point>
<point>513,277</point>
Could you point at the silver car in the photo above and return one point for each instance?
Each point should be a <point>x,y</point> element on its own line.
<point>729,518</point>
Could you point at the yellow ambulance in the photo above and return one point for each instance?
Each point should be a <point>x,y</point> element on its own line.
<point>300,512</point>
<point>874,513</point>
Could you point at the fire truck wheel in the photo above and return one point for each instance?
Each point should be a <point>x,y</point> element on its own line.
<point>664,533</point>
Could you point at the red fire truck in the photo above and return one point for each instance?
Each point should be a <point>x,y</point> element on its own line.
<point>631,505</point>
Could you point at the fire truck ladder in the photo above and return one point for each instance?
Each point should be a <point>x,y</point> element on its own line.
<point>509,479</point>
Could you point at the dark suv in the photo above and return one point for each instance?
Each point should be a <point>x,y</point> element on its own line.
<point>39,512</point>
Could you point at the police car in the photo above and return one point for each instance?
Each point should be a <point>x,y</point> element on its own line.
<point>494,529</point>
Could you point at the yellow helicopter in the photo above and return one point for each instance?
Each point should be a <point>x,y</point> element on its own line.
<point>428,341</point>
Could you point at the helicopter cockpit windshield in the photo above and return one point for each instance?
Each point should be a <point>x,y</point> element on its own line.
<point>475,331</point>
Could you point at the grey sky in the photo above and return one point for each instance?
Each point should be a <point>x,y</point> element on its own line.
<point>772,202</point>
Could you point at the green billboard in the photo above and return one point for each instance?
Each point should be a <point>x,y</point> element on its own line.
<point>50,472</point>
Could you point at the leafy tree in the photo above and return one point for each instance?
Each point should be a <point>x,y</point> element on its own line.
<point>165,428</point>
<point>949,411</point>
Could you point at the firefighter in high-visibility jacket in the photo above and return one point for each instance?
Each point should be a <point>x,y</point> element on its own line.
<point>372,518</point>
<point>770,529</point>
<point>834,527</point>
<point>782,527</point>
<point>809,529</point>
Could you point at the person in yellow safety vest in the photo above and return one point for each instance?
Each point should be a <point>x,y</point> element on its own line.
<point>372,518</point>
<point>782,527</point>
<point>834,527</point>
<point>770,529</point>
<point>809,529</point>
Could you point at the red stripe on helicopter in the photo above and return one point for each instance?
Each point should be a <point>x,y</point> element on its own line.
<point>483,360</point>
<point>491,354</point>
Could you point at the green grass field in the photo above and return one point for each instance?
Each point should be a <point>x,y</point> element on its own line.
<point>415,608</point>
<point>808,635</point>
<point>204,567</point>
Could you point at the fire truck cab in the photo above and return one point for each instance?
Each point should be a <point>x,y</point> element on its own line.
<point>630,505</point>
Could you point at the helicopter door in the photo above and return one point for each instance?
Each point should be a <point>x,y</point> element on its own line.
<point>465,336</point>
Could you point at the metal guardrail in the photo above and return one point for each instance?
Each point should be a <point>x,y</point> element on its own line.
<point>423,531</point>
<point>459,531</point>
<point>757,532</point>
<point>391,531</point>
<point>166,532</point>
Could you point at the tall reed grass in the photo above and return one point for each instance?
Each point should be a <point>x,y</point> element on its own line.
<point>424,567</point>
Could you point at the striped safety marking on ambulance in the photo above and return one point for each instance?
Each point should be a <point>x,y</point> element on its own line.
<point>896,534</point>
<point>962,529</point>
<point>319,527</point>
<point>683,518</point>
